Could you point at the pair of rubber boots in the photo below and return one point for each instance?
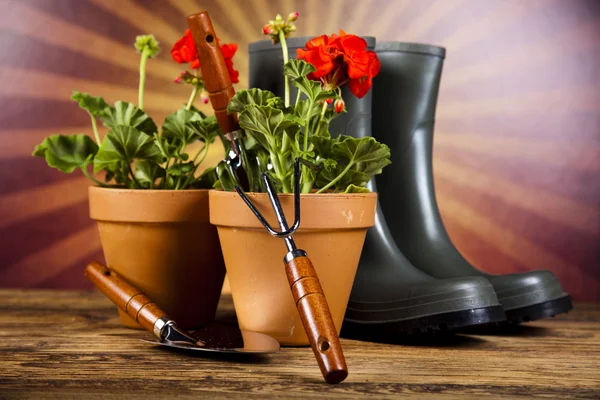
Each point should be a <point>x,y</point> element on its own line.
<point>411,279</point>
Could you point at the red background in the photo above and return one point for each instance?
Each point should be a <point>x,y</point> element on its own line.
<point>517,145</point>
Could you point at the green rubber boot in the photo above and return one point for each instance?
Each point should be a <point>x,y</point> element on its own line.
<point>406,189</point>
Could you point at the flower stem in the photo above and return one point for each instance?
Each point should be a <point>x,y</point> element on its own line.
<point>95,128</point>
<point>91,177</point>
<point>337,178</point>
<point>284,50</point>
<point>203,149</point>
<point>192,97</point>
<point>143,59</point>
<point>279,173</point>
<point>134,178</point>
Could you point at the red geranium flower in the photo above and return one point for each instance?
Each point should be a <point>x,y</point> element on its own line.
<point>184,51</point>
<point>341,59</point>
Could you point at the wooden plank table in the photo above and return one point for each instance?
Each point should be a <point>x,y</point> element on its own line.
<point>64,344</point>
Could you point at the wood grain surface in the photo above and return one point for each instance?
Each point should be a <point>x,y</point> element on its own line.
<point>66,344</point>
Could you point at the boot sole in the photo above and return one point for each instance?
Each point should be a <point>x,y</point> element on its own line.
<point>438,323</point>
<point>534,312</point>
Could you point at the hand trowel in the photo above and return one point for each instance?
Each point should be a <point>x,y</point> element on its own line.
<point>214,337</point>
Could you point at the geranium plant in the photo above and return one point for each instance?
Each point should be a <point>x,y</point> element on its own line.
<point>133,154</point>
<point>276,132</point>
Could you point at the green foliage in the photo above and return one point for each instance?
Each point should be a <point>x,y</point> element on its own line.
<point>134,154</point>
<point>281,135</point>
<point>67,153</point>
<point>356,189</point>
<point>95,106</point>
<point>127,114</point>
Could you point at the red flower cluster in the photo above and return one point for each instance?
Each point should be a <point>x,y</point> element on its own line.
<point>341,59</point>
<point>184,51</point>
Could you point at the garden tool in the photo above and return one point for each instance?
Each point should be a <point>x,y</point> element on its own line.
<point>404,100</point>
<point>214,337</point>
<point>304,283</point>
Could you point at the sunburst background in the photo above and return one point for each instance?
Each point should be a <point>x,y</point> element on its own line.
<point>517,143</point>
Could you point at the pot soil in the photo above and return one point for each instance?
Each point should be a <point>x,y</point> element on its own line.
<point>332,231</point>
<point>162,242</point>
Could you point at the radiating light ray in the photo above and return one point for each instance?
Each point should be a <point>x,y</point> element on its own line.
<point>237,19</point>
<point>240,59</point>
<point>19,143</point>
<point>262,10</point>
<point>69,36</point>
<point>537,201</point>
<point>355,23</point>
<point>524,57</point>
<point>34,84</point>
<point>27,204</point>
<point>287,6</point>
<point>391,15</point>
<point>52,260</point>
<point>494,21</point>
<point>506,241</point>
<point>333,22</point>
<point>436,11</point>
<point>556,101</point>
<point>580,156</point>
<point>142,19</point>
<point>313,18</point>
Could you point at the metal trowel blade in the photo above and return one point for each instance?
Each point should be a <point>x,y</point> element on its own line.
<point>220,338</point>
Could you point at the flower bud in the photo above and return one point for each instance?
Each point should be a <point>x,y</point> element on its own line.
<point>204,97</point>
<point>339,105</point>
<point>178,80</point>
<point>293,16</point>
<point>267,29</point>
<point>329,101</point>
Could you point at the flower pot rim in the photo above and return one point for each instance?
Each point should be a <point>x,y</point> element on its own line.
<point>126,190</point>
<point>148,206</point>
<point>409,47</point>
<point>295,42</point>
<point>324,211</point>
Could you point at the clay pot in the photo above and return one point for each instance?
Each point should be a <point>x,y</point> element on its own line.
<point>162,242</point>
<point>332,231</point>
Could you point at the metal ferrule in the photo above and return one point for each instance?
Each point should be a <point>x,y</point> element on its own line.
<point>159,326</point>
<point>293,254</point>
<point>234,135</point>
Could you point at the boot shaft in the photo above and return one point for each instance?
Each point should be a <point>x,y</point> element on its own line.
<point>405,92</point>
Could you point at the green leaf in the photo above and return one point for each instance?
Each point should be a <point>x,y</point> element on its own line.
<point>95,106</point>
<point>207,180</point>
<point>67,153</point>
<point>127,114</point>
<point>313,89</point>
<point>146,172</point>
<point>356,189</point>
<point>124,144</point>
<point>266,124</point>
<point>322,145</point>
<point>206,130</point>
<point>226,180</point>
<point>298,68</point>
<point>181,169</point>
<point>254,96</point>
<point>178,125</point>
<point>360,150</point>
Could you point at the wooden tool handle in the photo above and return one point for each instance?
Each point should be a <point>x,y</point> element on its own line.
<point>214,70</point>
<point>129,299</point>
<point>316,318</point>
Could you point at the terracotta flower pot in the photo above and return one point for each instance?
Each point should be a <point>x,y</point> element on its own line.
<point>332,232</point>
<point>162,242</point>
